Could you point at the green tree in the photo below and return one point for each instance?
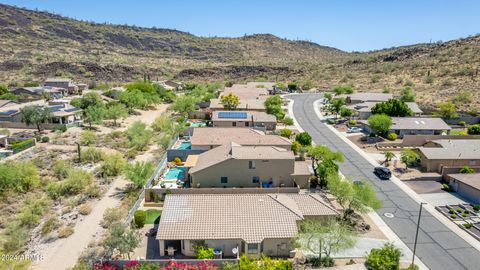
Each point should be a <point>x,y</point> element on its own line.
<point>324,162</point>
<point>346,112</point>
<point>143,86</point>
<point>336,105</point>
<point>35,115</point>
<point>409,157</point>
<point>134,99</point>
<point>385,258</point>
<point>113,165</point>
<point>393,108</point>
<point>359,196</point>
<point>122,240</point>
<point>94,115</point>
<point>273,105</point>
<point>447,110</point>
<point>138,173</point>
<point>304,139</point>
<point>87,100</point>
<point>324,238</point>
<point>389,155</point>
<point>9,96</point>
<point>115,111</point>
<point>328,96</point>
<point>184,105</point>
<point>380,123</point>
<point>474,129</point>
<point>407,94</point>
<point>139,136</point>
<point>230,101</point>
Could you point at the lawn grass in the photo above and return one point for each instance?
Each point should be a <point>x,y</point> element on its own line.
<point>153,216</point>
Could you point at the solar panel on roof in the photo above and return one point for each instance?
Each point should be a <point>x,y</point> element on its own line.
<point>71,109</point>
<point>236,115</point>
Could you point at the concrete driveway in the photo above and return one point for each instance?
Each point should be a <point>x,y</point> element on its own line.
<point>438,246</point>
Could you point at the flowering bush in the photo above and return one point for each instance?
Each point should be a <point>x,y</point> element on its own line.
<point>204,265</point>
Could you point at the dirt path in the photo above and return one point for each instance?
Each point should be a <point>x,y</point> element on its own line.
<point>64,253</point>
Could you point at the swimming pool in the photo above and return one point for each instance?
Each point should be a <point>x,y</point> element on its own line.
<point>185,145</point>
<point>198,124</point>
<point>175,173</point>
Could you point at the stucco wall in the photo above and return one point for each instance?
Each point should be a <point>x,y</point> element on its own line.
<point>435,165</point>
<point>239,174</point>
<point>468,193</point>
<point>277,247</point>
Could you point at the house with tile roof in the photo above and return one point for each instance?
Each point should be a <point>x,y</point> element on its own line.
<point>232,165</point>
<point>250,223</point>
<point>436,154</point>
<point>247,119</point>
<point>209,138</point>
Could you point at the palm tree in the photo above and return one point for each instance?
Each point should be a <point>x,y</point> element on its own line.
<point>388,156</point>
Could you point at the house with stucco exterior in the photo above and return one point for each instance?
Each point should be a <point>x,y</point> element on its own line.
<point>232,165</point>
<point>252,224</point>
<point>249,119</point>
<point>436,154</point>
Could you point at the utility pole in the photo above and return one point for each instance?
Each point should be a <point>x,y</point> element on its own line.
<point>416,234</point>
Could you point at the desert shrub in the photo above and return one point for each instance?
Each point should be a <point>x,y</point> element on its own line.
<point>287,121</point>
<point>204,253</point>
<point>392,136</point>
<point>139,172</point>
<point>111,216</point>
<point>45,139</point>
<point>177,161</point>
<point>476,207</point>
<point>88,138</point>
<point>76,182</point>
<point>20,176</point>
<point>139,136</point>
<point>462,123</point>
<point>352,122</point>
<point>286,133</point>
<point>60,128</point>
<point>33,210</point>
<point>50,225</point>
<point>66,231</point>
<point>131,153</point>
<point>16,237</point>
<point>322,262</point>
<point>91,155</point>
<point>467,225</point>
<point>385,258</point>
<point>85,209</point>
<point>61,168</point>
<point>296,147</point>
<point>113,165</point>
<point>139,218</point>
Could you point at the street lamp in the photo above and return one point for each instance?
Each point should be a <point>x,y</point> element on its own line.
<point>416,234</point>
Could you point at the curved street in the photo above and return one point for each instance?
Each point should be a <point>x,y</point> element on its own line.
<point>437,247</point>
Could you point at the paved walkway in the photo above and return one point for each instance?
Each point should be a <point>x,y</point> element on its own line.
<point>438,246</point>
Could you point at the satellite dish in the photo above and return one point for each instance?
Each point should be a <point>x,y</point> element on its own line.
<point>234,250</point>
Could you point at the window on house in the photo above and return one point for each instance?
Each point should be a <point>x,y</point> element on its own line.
<point>247,124</point>
<point>252,248</point>
<point>223,179</point>
<point>234,124</point>
<point>251,164</point>
<point>255,179</point>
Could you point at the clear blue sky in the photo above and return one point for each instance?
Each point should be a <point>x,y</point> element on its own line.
<point>349,25</point>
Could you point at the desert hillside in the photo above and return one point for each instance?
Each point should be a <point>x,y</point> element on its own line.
<point>35,45</point>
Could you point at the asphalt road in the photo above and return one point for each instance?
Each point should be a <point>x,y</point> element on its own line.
<point>437,246</point>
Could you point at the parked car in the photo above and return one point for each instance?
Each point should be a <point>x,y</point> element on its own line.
<point>151,232</point>
<point>383,172</point>
<point>354,130</point>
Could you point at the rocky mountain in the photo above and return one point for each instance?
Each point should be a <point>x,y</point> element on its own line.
<point>35,45</point>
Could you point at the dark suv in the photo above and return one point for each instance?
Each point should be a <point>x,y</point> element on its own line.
<point>383,172</point>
